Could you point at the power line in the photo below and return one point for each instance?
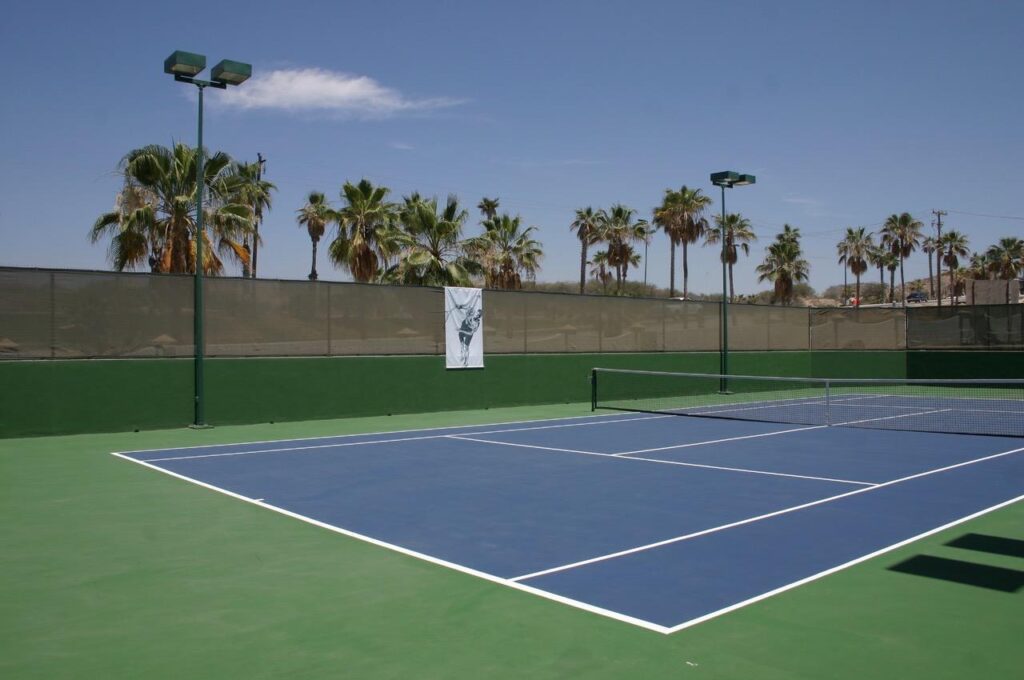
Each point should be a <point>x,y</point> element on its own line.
<point>998,217</point>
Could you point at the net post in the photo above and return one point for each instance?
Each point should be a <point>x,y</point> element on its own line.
<point>593,389</point>
<point>828,405</point>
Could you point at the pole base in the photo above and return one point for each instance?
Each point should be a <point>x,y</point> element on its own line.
<point>200,426</point>
<point>725,392</point>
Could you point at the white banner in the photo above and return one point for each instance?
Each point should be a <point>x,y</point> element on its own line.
<point>464,327</point>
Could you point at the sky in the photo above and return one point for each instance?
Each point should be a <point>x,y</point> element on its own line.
<point>846,113</point>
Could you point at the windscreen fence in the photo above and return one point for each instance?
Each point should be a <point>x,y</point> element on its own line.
<point>57,314</point>
<point>991,327</point>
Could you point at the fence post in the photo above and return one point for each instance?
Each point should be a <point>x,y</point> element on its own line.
<point>53,315</point>
<point>329,286</point>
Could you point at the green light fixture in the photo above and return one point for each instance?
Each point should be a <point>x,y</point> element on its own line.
<point>231,72</point>
<point>186,64</point>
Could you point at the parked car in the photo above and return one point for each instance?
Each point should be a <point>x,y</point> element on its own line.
<point>917,297</point>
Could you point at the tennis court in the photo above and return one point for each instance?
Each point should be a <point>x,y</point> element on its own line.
<point>652,518</point>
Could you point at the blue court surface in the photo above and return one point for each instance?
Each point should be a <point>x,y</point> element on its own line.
<point>658,520</point>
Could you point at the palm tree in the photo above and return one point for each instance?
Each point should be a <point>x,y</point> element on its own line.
<point>367,237</point>
<point>434,255</point>
<point>929,245</point>
<point>738,235</point>
<point>842,252</point>
<point>506,252</point>
<point>587,226</point>
<point>666,216</point>
<point>681,215</point>
<point>253,191</point>
<point>876,258</point>
<point>784,265</point>
<point>599,270</point>
<point>1006,258</point>
<point>978,268</point>
<point>957,283</point>
<point>952,246</point>
<point>315,216</point>
<point>153,221</point>
<point>619,228</point>
<point>856,251</point>
<point>902,234</point>
<point>488,207</point>
<point>891,261</point>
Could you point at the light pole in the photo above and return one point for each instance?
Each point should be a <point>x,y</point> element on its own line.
<point>647,242</point>
<point>727,179</point>
<point>184,66</point>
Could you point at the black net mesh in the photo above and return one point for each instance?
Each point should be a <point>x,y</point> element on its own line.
<point>986,407</point>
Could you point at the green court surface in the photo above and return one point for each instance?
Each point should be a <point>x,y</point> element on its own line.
<point>110,570</point>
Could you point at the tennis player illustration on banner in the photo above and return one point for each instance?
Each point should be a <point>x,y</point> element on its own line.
<point>463,315</point>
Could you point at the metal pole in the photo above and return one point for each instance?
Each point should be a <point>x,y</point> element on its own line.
<point>200,420</point>
<point>646,242</point>
<point>593,389</point>
<point>724,363</point>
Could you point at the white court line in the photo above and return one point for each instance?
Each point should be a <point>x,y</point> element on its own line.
<point>827,572</point>
<point>552,596</point>
<point>770,434</point>
<point>294,448</point>
<point>771,404</point>
<point>902,415</point>
<point>669,462</point>
<point>765,403</point>
<point>388,441</point>
<point>411,553</point>
<point>719,441</point>
<point>367,434</point>
<point>758,518</point>
<point>526,446</point>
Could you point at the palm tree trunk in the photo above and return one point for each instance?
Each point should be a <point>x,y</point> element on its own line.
<point>938,278</point>
<point>672,267</point>
<point>686,272</point>
<point>892,286</point>
<point>857,298</point>
<point>583,265</point>
<point>732,291</point>
<point>846,286</point>
<point>312,271</point>
<point>255,244</point>
<point>245,265</point>
<point>903,283</point>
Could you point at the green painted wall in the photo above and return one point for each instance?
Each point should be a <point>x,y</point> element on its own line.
<point>924,364</point>
<point>64,397</point>
<point>853,364</point>
<point>246,391</point>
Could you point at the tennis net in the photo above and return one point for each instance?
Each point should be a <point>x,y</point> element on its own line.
<point>985,407</point>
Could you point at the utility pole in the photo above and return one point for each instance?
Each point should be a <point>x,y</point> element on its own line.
<point>261,161</point>
<point>938,242</point>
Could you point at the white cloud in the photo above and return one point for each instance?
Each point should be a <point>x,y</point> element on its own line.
<point>401,146</point>
<point>320,90</point>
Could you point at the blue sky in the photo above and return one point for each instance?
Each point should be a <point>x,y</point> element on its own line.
<point>846,112</point>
